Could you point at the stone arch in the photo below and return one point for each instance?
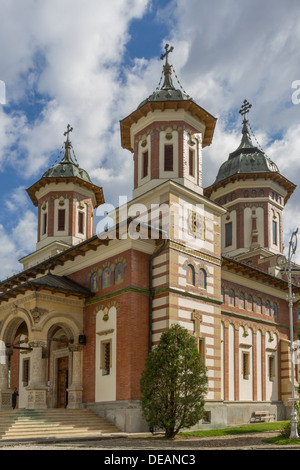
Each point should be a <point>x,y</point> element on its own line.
<point>64,352</point>
<point>65,321</point>
<point>11,326</point>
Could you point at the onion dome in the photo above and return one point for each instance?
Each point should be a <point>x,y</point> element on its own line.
<point>246,158</point>
<point>66,171</point>
<point>67,167</point>
<point>167,92</point>
<point>248,162</point>
<point>167,97</point>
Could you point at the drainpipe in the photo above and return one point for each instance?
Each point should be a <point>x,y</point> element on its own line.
<point>156,253</point>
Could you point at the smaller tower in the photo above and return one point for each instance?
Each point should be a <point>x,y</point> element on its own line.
<point>66,199</point>
<point>254,192</point>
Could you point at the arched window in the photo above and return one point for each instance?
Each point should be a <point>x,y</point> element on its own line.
<point>223,294</point>
<point>202,278</point>
<point>106,277</point>
<point>274,309</point>
<point>258,305</point>
<point>190,274</point>
<point>298,315</point>
<point>119,273</point>
<point>231,297</point>
<point>268,308</point>
<point>250,303</point>
<point>241,300</point>
<point>94,282</point>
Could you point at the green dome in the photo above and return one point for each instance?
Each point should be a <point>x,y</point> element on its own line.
<point>167,92</point>
<point>66,167</point>
<point>246,159</point>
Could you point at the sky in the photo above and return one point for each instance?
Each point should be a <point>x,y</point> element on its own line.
<point>90,63</point>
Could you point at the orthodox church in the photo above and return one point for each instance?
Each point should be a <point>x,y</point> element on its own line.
<point>77,323</point>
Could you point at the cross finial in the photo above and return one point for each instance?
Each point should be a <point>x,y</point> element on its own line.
<point>245,109</point>
<point>69,129</point>
<point>165,55</point>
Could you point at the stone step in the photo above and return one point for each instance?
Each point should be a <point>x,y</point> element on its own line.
<point>52,423</point>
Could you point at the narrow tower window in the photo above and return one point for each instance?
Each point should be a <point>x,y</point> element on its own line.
<point>228,234</point>
<point>81,222</point>
<point>145,165</point>
<point>274,230</point>
<point>61,219</point>
<point>168,158</point>
<point>44,231</point>
<point>191,162</point>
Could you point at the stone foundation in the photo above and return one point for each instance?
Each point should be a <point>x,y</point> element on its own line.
<point>127,415</point>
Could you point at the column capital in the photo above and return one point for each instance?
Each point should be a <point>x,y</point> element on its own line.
<point>75,347</point>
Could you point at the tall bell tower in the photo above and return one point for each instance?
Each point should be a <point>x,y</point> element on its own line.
<point>166,134</point>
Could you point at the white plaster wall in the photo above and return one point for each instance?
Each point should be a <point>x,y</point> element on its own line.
<point>231,361</point>
<point>245,345</point>
<point>222,361</point>
<point>258,365</point>
<point>106,384</point>
<point>248,226</point>
<point>271,384</point>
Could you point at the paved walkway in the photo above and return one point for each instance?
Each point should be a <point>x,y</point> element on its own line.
<point>147,442</point>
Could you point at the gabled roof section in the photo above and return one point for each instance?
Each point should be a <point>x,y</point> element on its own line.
<point>256,274</point>
<point>60,284</point>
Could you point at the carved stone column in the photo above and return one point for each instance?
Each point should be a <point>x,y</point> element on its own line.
<point>75,389</point>
<point>37,388</point>
<point>5,392</point>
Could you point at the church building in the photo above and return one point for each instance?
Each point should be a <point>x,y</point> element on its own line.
<point>77,323</point>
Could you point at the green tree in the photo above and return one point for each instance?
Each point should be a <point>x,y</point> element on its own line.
<point>174,383</point>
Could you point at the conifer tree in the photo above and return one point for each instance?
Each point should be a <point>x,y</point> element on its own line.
<point>174,383</point>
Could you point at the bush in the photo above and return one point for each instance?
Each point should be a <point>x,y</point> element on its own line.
<point>174,383</point>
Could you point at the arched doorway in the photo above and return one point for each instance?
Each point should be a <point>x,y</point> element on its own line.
<point>64,368</point>
<point>59,365</point>
<point>15,362</point>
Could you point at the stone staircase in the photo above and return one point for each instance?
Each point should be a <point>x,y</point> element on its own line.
<point>23,424</point>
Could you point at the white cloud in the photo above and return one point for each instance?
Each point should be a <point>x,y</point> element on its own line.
<point>67,58</point>
<point>17,243</point>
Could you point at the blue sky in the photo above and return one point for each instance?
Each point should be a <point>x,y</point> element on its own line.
<point>91,63</point>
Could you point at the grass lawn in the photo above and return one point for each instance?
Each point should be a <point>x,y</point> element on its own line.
<point>244,429</point>
<point>280,426</point>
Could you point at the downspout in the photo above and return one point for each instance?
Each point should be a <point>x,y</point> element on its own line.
<point>156,253</point>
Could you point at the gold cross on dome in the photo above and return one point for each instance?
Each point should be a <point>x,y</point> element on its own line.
<point>165,55</point>
<point>69,129</point>
<point>245,108</point>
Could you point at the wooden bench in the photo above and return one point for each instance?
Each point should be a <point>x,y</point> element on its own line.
<point>262,416</point>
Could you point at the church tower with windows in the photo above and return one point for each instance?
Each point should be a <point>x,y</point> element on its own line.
<point>166,135</point>
<point>254,192</point>
<point>66,199</point>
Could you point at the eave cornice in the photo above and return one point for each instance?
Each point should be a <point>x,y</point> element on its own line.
<point>188,105</point>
